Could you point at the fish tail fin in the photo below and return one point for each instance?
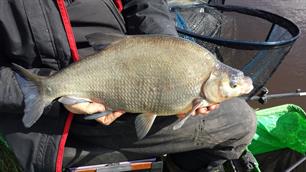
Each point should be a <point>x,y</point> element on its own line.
<point>27,74</point>
<point>34,101</point>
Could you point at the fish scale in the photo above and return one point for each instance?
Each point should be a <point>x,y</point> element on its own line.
<point>118,77</point>
<point>152,75</point>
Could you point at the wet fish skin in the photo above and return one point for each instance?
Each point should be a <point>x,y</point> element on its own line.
<point>139,74</point>
<point>157,75</point>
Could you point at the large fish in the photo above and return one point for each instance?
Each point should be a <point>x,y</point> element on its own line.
<point>152,75</point>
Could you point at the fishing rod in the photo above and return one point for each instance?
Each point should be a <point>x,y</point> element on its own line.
<point>263,96</point>
<point>291,168</point>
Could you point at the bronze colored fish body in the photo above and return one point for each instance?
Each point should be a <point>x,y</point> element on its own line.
<point>158,75</point>
<point>139,74</point>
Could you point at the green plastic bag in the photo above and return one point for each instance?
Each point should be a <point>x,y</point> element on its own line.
<point>280,127</point>
<point>8,161</point>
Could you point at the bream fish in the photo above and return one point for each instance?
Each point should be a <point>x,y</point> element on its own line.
<point>149,74</point>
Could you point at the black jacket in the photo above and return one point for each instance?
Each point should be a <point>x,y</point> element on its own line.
<point>32,35</point>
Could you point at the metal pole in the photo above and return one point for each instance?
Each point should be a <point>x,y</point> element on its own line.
<point>296,164</point>
<point>263,96</point>
<point>282,95</point>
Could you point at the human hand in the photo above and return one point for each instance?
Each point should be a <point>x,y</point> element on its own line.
<point>94,107</point>
<point>201,111</point>
<point>206,110</point>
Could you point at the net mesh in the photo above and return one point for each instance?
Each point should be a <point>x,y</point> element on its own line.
<point>258,63</point>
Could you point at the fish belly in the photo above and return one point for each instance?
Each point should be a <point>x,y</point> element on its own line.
<point>161,75</point>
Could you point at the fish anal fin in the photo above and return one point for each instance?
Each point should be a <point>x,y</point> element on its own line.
<point>143,124</point>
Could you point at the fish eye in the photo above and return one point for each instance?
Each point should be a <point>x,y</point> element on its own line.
<point>233,84</point>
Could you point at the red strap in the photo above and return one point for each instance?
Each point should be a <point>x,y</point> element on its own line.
<point>75,57</point>
<point>61,147</point>
<point>69,31</point>
<point>119,5</point>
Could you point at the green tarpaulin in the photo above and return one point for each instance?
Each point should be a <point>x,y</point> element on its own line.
<point>280,127</point>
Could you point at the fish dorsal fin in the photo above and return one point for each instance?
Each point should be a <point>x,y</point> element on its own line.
<point>101,40</point>
<point>143,123</point>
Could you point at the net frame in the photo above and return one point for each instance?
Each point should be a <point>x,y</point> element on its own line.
<point>271,51</point>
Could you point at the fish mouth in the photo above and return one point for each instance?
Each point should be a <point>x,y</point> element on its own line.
<point>250,89</point>
<point>249,85</point>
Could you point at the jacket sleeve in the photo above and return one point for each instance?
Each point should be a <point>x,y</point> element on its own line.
<point>11,97</point>
<point>148,17</point>
<point>16,45</point>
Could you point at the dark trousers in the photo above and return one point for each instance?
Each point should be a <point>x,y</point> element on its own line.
<point>222,134</point>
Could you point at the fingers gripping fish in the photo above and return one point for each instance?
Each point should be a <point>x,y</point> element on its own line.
<point>153,75</point>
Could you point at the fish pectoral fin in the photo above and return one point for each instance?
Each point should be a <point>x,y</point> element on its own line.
<point>181,122</point>
<point>97,115</point>
<point>71,100</point>
<point>143,124</point>
<point>200,103</point>
<point>101,40</point>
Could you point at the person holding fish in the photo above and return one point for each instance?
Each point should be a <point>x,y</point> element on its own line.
<point>149,92</point>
